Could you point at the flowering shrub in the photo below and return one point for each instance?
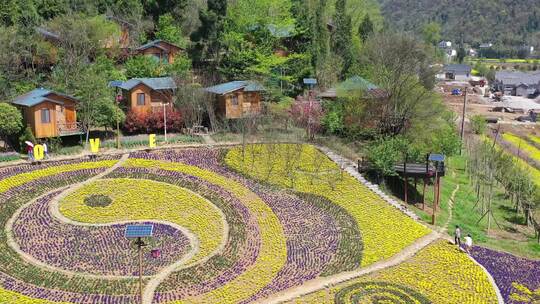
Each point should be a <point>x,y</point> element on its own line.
<point>97,200</point>
<point>153,122</point>
<point>439,273</point>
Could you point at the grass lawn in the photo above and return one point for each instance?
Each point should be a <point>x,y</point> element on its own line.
<point>511,236</point>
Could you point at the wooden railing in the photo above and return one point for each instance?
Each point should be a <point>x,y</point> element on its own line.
<point>69,128</point>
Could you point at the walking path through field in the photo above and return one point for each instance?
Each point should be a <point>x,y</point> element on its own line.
<point>451,201</point>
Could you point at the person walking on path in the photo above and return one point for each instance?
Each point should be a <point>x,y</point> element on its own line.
<point>45,150</point>
<point>468,243</point>
<point>457,236</point>
<point>30,151</point>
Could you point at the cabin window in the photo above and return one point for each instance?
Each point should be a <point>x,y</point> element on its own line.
<point>45,116</point>
<point>140,99</point>
<point>234,100</point>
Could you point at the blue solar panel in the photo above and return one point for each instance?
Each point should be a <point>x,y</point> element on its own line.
<point>436,157</point>
<point>137,231</point>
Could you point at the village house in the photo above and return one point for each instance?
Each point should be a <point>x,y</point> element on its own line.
<point>161,50</point>
<point>516,83</point>
<point>237,99</point>
<point>352,84</point>
<point>145,95</point>
<point>460,72</point>
<point>48,113</point>
<point>371,96</point>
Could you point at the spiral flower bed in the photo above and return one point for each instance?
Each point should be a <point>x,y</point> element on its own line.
<point>231,226</point>
<point>439,273</point>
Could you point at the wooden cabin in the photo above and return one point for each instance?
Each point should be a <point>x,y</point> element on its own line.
<point>237,99</point>
<point>161,50</point>
<point>146,95</point>
<point>48,113</point>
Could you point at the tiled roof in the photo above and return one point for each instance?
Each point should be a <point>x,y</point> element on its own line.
<point>224,88</point>
<point>154,43</point>
<point>356,83</point>
<point>457,68</point>
<point>159,83</point>
<point>517,78</point>
<point>37,96</point>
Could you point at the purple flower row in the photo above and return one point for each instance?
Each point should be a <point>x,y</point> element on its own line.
<point>312,234</point>
<point>507,269</point>
<point>95,250</point>
<point>8,171</point>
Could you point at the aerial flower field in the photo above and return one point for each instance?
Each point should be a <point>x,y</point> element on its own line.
<point>235,225</point>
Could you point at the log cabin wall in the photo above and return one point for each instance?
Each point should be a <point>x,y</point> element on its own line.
<point>132,99</point>
<point>44,129</point>
<point>247,103</point>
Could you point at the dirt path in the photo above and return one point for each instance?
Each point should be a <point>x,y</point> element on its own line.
<point>450,209</point>
<point>208,139</point>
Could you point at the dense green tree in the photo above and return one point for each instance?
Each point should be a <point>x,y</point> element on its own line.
<point>8,12</point>
<point>96,98</point>
<point>10,121</point>
<point>168,31</point>
<point>26,135</point>
<point>320,40</point>
<point>27,16</point>
<point>143,66</point>
<point>156,8</point>
<point>49,9</point>
<point>431,32</point>
<point>206,39</point>
<point>341,38</point>
<point>366,28</point>
<point>461,53</point>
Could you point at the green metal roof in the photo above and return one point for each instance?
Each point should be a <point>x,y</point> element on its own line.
<point>224,88</point>
<point>37,96</point>
<point>159,83</point>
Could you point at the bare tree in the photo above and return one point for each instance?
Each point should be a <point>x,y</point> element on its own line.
<point>399,64</point>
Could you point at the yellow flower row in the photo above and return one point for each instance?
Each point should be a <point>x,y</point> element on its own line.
<point>272,253</point>
<point>7,296</point>
<point>440,272</point>
<point>23,178</point>
<point>523,145</point>
<point>139,199</point>
<point>385,230</point>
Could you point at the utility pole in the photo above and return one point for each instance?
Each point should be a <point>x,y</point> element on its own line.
<point>462,132</point>
<point>165,119</point>
<point>140,244</point>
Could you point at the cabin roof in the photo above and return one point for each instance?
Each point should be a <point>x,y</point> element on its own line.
<point>457,68</point>
<point>155,43</point>
<point>355,83</point>
<point>516,77</point>
<point>47,34</point>
<point>38,96</point>
<point>159,83</point>
<point>224,88</point>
